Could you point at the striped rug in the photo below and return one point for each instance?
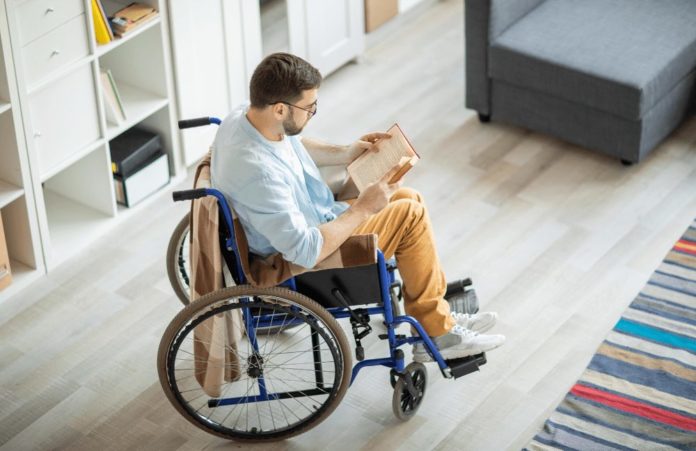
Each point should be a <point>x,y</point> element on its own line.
<point>639,390</point>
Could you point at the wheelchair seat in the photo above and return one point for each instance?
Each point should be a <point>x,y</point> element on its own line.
<point>358,285</point>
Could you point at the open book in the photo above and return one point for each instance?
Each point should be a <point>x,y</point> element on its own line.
<point>371,166</point>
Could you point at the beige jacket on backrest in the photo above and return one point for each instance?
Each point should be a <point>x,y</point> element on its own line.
<point>216,339</point>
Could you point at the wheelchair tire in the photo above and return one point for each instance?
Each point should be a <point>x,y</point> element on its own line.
<point>178,260</point>
<point>404,404</point>
<point>294,407</point>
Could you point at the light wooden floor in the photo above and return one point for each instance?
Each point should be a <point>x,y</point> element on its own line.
<point>558,240</point>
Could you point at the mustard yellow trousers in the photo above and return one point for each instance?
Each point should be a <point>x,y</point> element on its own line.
<point>404,231</point>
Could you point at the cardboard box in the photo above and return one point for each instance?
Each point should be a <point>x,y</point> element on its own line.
<point>378,12</point>
<point>5,273</point>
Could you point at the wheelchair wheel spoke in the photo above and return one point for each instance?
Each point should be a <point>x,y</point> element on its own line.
<point>272,384</point>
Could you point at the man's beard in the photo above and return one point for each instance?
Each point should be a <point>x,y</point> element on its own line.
<point>291,128</point>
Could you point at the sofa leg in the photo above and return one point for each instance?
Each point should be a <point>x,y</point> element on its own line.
<point>626,162</point>
<point>484,117</point>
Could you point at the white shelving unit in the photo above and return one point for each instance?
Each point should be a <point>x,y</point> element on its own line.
<point>63,133</point>
<point>17,210</point>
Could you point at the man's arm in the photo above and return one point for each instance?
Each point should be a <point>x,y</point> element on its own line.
<point>372,200</point>
<point>325,154</point>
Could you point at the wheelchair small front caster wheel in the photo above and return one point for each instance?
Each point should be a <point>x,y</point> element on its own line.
<point>484,118</point>
<point>409,391</point>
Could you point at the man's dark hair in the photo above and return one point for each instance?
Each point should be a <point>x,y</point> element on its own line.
<point>281,77</point>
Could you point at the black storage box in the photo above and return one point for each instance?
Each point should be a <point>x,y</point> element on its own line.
<point>132,149</point>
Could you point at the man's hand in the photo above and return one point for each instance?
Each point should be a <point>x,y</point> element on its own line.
<point>366,143</point>
<point>372,200</point>
<point>376,196</point>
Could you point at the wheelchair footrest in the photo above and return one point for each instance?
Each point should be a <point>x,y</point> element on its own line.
<point>465,365</point>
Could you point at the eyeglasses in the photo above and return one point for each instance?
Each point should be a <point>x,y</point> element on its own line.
<point>312,110</point>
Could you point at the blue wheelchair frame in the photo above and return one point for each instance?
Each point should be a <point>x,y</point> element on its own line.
<point>395,361</point>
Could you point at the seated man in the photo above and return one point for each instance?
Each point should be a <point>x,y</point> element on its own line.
<point>270,178</point>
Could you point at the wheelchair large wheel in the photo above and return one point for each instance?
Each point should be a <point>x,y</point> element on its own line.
<point>254,387</point>
<point>406,400</point>
<point>178,263</point>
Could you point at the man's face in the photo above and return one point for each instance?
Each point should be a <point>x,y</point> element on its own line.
<point>300,112</point>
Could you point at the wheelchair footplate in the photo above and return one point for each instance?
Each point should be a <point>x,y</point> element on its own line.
<point>466,365</point>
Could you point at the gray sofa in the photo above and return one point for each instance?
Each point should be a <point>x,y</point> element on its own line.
<point>615,76</point>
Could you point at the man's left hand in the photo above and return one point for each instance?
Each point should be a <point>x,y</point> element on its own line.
<point>366,143</point>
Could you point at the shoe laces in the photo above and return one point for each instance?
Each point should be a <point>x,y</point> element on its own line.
<point>459,316</point>
<point>463,331</point>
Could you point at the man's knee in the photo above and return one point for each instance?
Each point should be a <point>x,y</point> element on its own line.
<point>408,210</point>
<point>407,193</point>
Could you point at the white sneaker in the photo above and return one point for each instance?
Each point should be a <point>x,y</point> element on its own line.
<point>478,322</point>
<point>458,343</point>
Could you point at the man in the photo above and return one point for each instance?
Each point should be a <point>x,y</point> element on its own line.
<point>270,177</point>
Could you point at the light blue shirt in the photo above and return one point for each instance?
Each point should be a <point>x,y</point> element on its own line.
<point>280,210</point>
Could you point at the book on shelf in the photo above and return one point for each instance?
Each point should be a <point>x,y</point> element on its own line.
<point>373,165</point>
<point>132,16</point>
<point>113,106</point>
<point>102,30</point>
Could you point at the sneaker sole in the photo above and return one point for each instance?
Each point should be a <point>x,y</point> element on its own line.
<point>450,354</point>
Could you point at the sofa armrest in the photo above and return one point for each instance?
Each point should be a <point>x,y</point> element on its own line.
<point>484,20</point>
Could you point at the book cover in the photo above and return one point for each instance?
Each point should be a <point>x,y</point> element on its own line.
<point>105,19</point>
<point>113,113</point>
<point>102,31</point>
<point>371,166</point>
<point>117,95</point>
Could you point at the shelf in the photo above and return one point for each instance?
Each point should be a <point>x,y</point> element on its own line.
<point>117,42</point>
<point>56,185</point>
<point>158,196</point>
<point>71,225</point>
<point>9,193</point>
<point>138,104</point>
<point>71,160</point>
<point>22,276</point>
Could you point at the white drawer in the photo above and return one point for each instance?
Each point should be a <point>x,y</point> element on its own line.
<point>64,118</point>
<point>37,17</point>
<point>60,47</point>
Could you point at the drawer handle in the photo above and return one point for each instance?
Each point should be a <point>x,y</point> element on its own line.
<point>37,134</point>
<point>55,53</point>
<point>49,10</point>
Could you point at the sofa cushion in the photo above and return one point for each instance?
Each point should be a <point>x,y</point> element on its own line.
<point>618,56</point>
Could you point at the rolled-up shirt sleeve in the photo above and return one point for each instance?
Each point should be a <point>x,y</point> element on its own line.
<point>270,208</point>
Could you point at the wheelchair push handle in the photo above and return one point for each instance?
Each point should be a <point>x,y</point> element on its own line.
<point>198,122</point>
<point>190,194</point>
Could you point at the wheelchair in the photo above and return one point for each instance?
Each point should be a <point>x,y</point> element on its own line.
<point>289,363</point>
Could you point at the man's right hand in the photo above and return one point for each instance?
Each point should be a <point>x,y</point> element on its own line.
<point>376,196</point>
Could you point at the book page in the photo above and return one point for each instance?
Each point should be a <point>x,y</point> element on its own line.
<point>371,166</point>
